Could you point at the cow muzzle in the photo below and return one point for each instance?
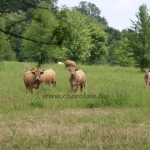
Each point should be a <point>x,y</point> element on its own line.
<point>37,79</point>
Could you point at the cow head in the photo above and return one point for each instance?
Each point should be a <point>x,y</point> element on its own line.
<point>32,69</point>
<point>37,74</point>
<point>72,69</point>
<point>146,71</point>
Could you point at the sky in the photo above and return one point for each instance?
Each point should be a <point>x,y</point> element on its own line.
<point>118,13</point>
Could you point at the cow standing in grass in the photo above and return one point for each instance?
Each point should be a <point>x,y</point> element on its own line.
<point>69,63</point>
<point>49,77</point>
<point>147,76</point>
<point>77,78</point>
<point>32,79</point>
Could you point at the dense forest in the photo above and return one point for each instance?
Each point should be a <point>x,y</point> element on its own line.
<point>39,31</point>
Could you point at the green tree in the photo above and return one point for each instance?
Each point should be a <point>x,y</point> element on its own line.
<point>139,35</point>
<point>113,34</point>
<point>78,45</point>
<point>123,55</point>
<point>16,28</point>
<point>6,52</point>
<point>41,29</point>
<point>113,43</point>
<point>28,6</point>
<point>90,9</point>
<point>99,42</point>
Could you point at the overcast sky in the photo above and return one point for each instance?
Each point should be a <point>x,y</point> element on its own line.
<point>117,12</point>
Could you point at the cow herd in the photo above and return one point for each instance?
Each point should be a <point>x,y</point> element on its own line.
<point>33,78</point>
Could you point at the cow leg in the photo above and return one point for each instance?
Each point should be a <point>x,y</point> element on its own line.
<point>85,87</point>
<point>147,83</point>
<point>77,88</point>
<point>38,88</point>
<point>49,83</point>
<point>27,88</point>
<point>31,89</point>
<point>54,83</point>
<point>71,87</point>
<point>81,86</point>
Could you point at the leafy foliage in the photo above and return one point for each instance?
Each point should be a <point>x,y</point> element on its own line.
<point>41,29</point>
<point>79,44</point>
<point>99,41</point>
<point>139,35</point>
<point>90,9</point>
<point>123,55</point>
<point>6,52</point>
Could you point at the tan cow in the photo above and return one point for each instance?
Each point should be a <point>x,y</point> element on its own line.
<point>69,63</point>
<point>147,76</point>
<point>77,78</point>
<point>48,77</point>
<point>32,79</point>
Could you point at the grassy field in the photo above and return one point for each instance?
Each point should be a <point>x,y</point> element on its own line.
<point>113,115</point>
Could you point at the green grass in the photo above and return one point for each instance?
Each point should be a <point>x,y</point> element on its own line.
<point>114,114</point>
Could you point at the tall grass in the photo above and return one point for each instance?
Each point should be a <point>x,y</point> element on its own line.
<point>114,114</point>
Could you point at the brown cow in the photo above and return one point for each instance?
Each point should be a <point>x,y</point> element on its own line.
<point>32,79</point>
<point>147,76</point>
<point>77,78</point>
<point>69,63</point>
<point>49,77</point>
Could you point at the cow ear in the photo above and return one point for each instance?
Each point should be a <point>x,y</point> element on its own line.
<point>32,72</point>
<point>77,68</point>
<point>41,72</point>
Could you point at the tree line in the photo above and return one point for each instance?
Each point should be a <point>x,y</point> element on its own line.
<point>41,32</point>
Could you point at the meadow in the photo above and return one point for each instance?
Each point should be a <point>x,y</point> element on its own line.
<point>113,115</point>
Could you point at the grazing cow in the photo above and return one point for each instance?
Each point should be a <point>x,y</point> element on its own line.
<point>77,78</point>
<point>69,63</point>
<point>32,79</point>
<point>60,63</point>
<point>48,77</point>
<point>147,76</point>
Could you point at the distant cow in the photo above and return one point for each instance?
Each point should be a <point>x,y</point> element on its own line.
<point>69,63</point>
<point>147,76</point>
<point>32,79</point>
<point>60,63</point>
<point>48,77</point>
<point>77,78</point>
